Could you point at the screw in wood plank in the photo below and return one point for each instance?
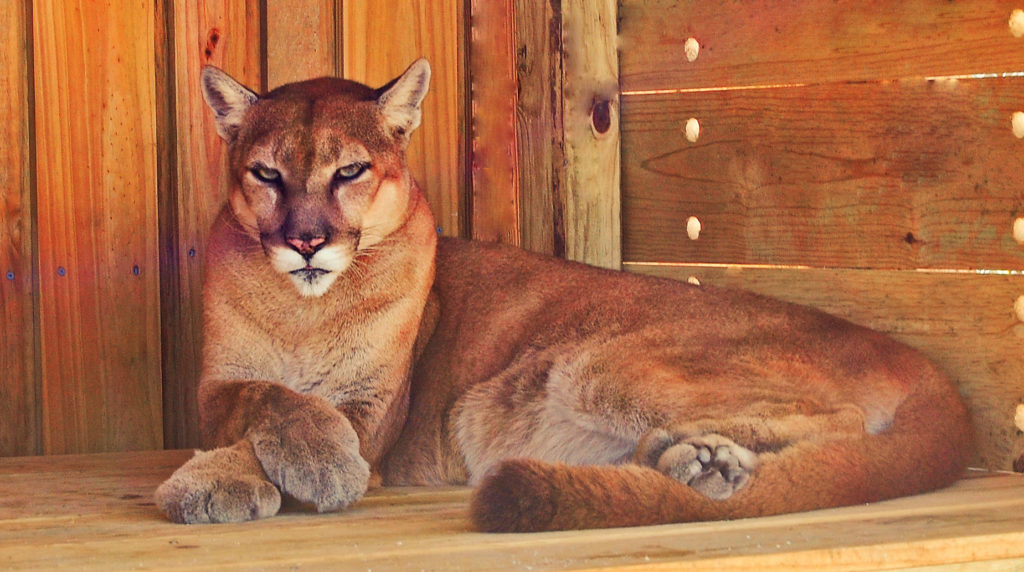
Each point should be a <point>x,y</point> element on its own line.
<point>10,275</point>
<point>61,271</point>
<point>191,253</point>
<point>136,270</point>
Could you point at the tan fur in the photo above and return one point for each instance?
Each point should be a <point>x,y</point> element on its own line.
<point>574,397</point>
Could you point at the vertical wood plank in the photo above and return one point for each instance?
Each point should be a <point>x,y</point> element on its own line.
<point>20,405</point>
<point>195,179</point>
<point>380,40</point>
<point>538,65</point>
<point>303,40</point>
<point>494,206</point>
<point>591,123</point>
<point>97,225</point>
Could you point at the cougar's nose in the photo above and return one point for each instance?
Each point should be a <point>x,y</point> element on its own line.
<point>306,245</point>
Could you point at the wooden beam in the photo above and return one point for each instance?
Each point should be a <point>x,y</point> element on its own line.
<point>909,174</point>
<point>95,121</point>
<point>538,125</point>
<point>20,399</point>
<point>591,122</point>
<point>495,168</point>
<point>761,42</point>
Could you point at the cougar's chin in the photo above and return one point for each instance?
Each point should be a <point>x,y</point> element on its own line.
<point>315,277</point>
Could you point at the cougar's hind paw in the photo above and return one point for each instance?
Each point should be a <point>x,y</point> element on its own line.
<point>710,464</point>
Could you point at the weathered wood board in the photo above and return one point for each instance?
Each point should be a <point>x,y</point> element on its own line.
<point>906,174</point>
<point>761,42</point>
<point>104,519</point>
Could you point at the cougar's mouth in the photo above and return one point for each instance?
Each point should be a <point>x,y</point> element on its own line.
<point>309,274</point>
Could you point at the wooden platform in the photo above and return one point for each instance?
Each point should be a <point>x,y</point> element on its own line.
<point>94,512</point>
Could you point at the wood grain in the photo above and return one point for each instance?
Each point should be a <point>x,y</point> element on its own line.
<point>496,171</point>
<point>97,225</point>
<point>908,174</point>
<point>538,126</point>
<point>104,519</point>
<point>196,181</point>
<point>380,40</point>
<point>20,407</point>
<point>590,116</point>
<point>747,43</point>
<point>303,40</point>
<point>963,321</point>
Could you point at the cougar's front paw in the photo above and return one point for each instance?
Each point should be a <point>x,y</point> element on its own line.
<point>711,464</point>
<point>314,458</point>
<point>222,485</point>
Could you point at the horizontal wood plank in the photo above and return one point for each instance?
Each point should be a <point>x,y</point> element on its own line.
<point>908,174</point>
<point>746,43</point>
<point>104,519</point>
<point>964,322</point>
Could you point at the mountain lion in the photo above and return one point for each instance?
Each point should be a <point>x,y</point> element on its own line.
<point>347,346</point>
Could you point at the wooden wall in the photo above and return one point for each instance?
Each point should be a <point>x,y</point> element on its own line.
<point>856,156</point>
<point>111,172</point>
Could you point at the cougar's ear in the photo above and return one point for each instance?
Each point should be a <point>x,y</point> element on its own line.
<point>228,99</point>
<point>400,99</point>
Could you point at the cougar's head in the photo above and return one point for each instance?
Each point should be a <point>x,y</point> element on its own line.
<point>318,167</point>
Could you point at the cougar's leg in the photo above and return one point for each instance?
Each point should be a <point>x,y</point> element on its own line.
<point>708,429</point>
<point>222,485</point>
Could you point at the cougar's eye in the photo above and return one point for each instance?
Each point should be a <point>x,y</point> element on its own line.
<point>350,172</point>
<point>266,174</point>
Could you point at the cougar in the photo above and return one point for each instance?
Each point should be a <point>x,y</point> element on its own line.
<point>348,346</point>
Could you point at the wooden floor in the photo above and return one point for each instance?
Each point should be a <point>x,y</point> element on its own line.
<point>95,512</point>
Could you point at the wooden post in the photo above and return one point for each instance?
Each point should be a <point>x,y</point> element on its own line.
<point>591,122</point>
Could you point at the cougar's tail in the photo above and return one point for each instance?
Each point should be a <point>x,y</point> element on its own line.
<point>926,447</point>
